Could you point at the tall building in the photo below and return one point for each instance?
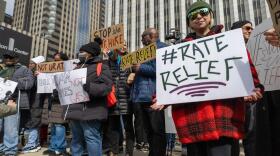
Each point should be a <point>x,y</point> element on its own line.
<point>8,19</point>
<point>91,16</point>
<point>2,10</point>
<point>55,20</point>
<point>137,15</point>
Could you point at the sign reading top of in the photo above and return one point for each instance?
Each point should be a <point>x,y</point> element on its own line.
<point>210,68</point>
<point>139,56</point>
<point>266,57</point>
<point>113,37</point>
<point>274,7</point>
<point>13,41</point>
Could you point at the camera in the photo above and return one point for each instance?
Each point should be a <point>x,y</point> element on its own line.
<point>174,35</point>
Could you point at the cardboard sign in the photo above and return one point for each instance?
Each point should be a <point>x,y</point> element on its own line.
<point>140,56</point>
<point>6,87</point>
<point>70,86</point>
<point>210,68</point>
<point>274,7</point>
<point>266,57</point>
<point>113,37</point>
<point>45,82</point>
<point>50,67</point>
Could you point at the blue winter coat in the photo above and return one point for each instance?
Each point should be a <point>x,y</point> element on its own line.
<point>144,86</point>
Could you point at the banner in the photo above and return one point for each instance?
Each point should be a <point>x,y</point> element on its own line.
<point>70,86</point>
<point>13,41</point>
<point>266,57</point>
<point>113,36</point>
<point>139,56</point>
<point>210,68</point>
<point>6,87</point>
<point>274,7</point>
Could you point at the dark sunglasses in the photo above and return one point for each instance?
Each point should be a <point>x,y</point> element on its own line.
<point>248,28</point>
<point>203,12</point>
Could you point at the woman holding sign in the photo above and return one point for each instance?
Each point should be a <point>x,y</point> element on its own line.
<point>210,128</point>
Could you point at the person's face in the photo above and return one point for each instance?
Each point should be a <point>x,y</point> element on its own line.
<point>8,60</point>
<point>247,30</point>
<point>57,58</point>
<point>146,40</point>
<point>32,65</point>
<point>200,19</point>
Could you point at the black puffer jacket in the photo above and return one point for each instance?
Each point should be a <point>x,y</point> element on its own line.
<point>122,89</point>
<point>96,108</point>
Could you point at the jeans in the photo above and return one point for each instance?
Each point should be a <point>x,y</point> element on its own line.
<point>33,138</point>
<point>89,132</point>
<point>58,138</point>
<point>10,125</point>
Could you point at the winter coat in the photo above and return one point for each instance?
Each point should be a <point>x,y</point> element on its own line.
<point>121,88</point>
<point>96,108</point>
<point>144,86</point>
<point>24,77</point>
<point>210,120</point>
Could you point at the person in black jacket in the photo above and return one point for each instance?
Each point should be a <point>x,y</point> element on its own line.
<point>121,114</point>
<point>86,118</point>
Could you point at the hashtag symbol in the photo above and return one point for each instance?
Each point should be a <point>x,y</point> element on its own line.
<point>169,56</point>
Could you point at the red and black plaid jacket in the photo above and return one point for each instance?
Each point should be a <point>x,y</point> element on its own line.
<point>210,120</point>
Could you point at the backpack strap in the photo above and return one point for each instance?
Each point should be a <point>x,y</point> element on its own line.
<point>98,68</point>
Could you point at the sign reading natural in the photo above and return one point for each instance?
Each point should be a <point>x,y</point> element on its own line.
<point>210,68</point>
<point>139,56</point>
<point>113,37</point>
<point>50,67</point>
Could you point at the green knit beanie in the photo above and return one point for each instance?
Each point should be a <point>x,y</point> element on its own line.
<point>197,5</point>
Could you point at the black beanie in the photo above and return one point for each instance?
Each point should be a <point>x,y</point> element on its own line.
<point>11,54</point>
<point>98,40</point>
<point>239,24</point>
<point>92,48</point>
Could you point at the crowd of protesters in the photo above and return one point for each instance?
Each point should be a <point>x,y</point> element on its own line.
<point>208,128</point>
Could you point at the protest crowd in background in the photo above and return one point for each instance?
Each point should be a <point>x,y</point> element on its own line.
<point>111,101</point>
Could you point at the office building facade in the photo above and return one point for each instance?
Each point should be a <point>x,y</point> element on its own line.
<point>137,15</point>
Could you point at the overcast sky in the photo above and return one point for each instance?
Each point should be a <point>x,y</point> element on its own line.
<point>10,7</point>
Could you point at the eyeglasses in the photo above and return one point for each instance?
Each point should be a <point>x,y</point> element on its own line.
<point>248,28</point>
<point>203,12</point>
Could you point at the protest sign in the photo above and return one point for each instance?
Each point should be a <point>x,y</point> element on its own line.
<point>274,7</point>
<point>6,86</point>
<point>70,64</point>
<point>113,36</point>
<point>266,57</point>
<point>50,67</point>
<point>169,122</point>
<point>139,56</point>
<point>70,86</point>
<point>210,68</point>
<point>45,82</point>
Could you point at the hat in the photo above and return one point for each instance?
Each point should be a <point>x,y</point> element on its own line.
<point>239,24</point>
<point>197,5</point>
<point>11,54</point>
<point>38,59</point>
<point>92,48</point>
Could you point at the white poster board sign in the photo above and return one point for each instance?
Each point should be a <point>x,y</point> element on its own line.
<point>45,82</point>
<point>70,86</point>
<point>169,122</point>
<point>70,64</point>
<point>6,87</point>
<point>266,57</point>
<point>210,68</point>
